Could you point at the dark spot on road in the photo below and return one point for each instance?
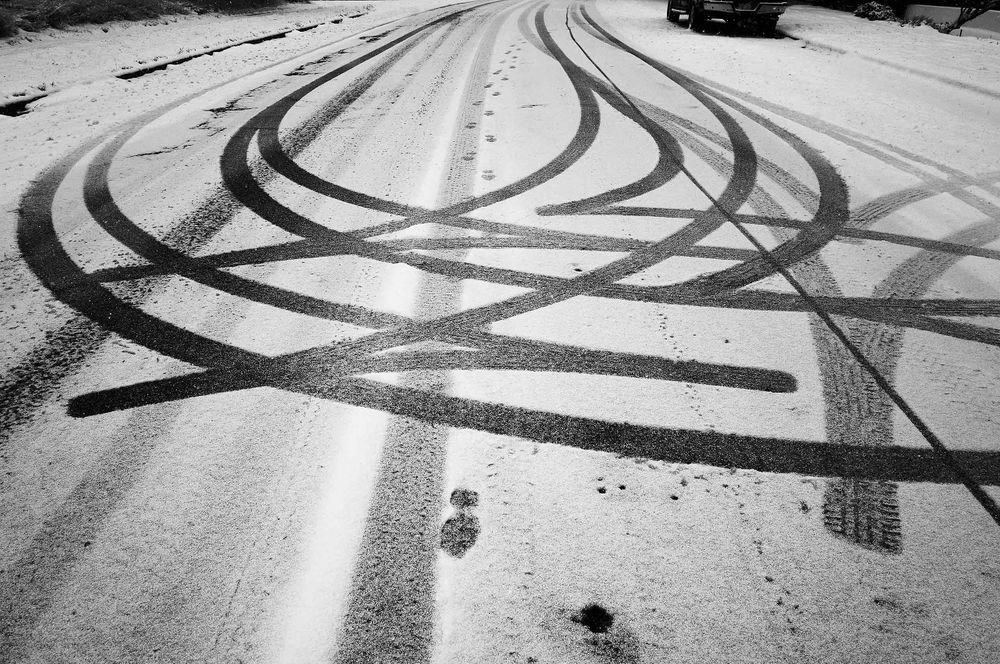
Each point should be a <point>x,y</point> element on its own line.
<point>864,512</point>
<point>621,486</point>
<point>464,498</point>
<point>461,530</point>
<point>373,38</point>
<point>595,618</point>
<point>886,601</point>
<point>229,107</point>
<point>674,497</point>
<point>602,489</point>
<point>459,534</point>
<point>19,107</point>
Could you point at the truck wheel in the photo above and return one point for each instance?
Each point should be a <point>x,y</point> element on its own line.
<point>769,27</point>
<point>672,14</point>
<point>696,18</point>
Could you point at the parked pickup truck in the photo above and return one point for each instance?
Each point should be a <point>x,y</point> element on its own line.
<point>763,15</point>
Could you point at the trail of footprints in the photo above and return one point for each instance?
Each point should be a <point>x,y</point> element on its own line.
<point>489,174</point>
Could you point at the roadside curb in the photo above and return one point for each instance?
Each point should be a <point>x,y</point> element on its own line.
<point>19,106</point>
<point>163,64</point>
<point>812,43</point>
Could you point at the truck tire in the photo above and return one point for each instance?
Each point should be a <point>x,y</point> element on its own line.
<point>696,19</point>
<point>672,14</point>
<point>769,27</point>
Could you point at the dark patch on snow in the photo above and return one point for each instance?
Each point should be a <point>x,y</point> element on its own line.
<point>864,512</point>
<point>20,107</point>
<point>461,530</point>
<point>373,38</point>
<point>459,534</point>
<point>462,498</point>
<point>595,618</point>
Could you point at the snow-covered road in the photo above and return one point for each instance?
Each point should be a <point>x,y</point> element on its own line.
<point>511,332</point>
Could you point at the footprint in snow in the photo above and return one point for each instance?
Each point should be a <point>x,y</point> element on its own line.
<point>460,530</point>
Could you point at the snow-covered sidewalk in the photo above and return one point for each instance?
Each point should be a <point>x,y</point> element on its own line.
<point>966,62</point>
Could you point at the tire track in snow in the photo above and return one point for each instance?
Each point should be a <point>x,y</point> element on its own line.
<point>45,562</point>
<point>827,175</point>
<point>766,454</point>
<point>326,360</point>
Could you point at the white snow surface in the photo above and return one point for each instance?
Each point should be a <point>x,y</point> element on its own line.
<point>961,61</point>
<point>935,95</point>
